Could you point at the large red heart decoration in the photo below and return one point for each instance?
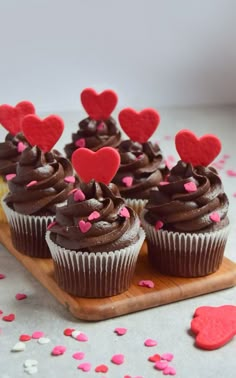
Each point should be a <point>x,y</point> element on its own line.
<point>139,126</point>
<point>214,326</point>
<point>197,151</point>
<point>101,165</point>
<point>99,106</point>
<point>11,116</point>
<point>42,133</point>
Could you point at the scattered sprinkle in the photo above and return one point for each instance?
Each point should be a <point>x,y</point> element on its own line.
<point>94,215</point>
<point>159,224</point>
<point>101,126</point>
<point>19,347</point>
<point>31,183</point>
<point>82,337</point>
<point>101,368</point>
<point>84,226</point>
<point>124,212</point>
<point>43,340</point>
<point>162,183</point>
<point>31,370</point>
<point>21,296</point>
<point>118,359</point>
<point>85,366</point>
<point>215,217</point>
<point>161,365</point>
<point>37,335</point>
<point>146,283</point>
<point>9,318</point>
<point>58,350</point>
<point>169,370</point>
<point>10,176</point>
<point>150,342</point>
<point>29,363</point>
<point>128,181</point>
<point>231,173</point>
<point>68,331</point>
<point>80,142</point>
<point>24,337</point>
<point>120,331</point>
<point>78,355</point>
<point>51,225</point>
<point>2,276</point>
<point>75,333</point>
<point>70,179</point>
<point>79,195</point>
<point>156,357</point>
<point>190,187</point>
<point>167,356</point>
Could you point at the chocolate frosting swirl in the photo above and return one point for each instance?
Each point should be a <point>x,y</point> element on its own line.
<point>95,135</point>
<point>144,163</point>
<point>109,231</point>
<point>189,211</point>
<point>9,154</point>
<point>47,171</point>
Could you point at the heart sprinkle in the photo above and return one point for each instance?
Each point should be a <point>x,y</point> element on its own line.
<point>29,363</point>
<point>231,173</point>
<point>215,217</point>
<point>159,224</point>
<point>94,215</point>
<point>75,334</point>
<point>82,337</point>
<point>150,342</point>
<point>21,147</point>
<point>37,334</point>
<point>120,331</point>
<point>169,370</point>
<point>31,183</point>
<point>78,355</point>
<point>2,276</point>
<point>161,365</point>
<point>118,359</point>
<point>101,369</point>
<point>147,283</point>
<point>20,296</point>
<point>51,225</point>
<point>70,179</point>
<point>68,331</point>
<point>58,350</point>
<point>19,347</point>
<point>167,356</point>
<point>190,187</point>
<point>162,183</point>
<point>10,176</point>
<point>85,366</point>
<point>84,226</point>
<point>101,126</point>
<point>79,195</point>
<point>154,358</point>
<point>31,370</point>
<point>9,318</point>
<point>128,181</point>
<point>80,143</point>
<point>43,340</point>
<point>124,212</point>
<point>24,337</point>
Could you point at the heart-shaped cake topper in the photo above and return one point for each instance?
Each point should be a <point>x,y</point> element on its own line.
<point>42,133</point>
<point>197,151</point>
<point>139,126</point>
<point>101,165</point>
<point>99,106</point>
<point>11,116</point>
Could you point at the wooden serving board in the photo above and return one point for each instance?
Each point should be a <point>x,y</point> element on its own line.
<point>167,289</point>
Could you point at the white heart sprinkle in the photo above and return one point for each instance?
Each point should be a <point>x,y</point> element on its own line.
<point>29,363</point>
<point>31,370</point>
<point>44,340</point>
<point>75,333</point>
<point>19,347</point>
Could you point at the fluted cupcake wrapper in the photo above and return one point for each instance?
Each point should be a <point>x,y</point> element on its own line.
<point>28,232</point>
<point>185,254</point>
<point>100,274</point>
<point>136,204</point>
<point>3,191</point>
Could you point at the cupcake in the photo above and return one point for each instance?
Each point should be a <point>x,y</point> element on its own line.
<point>142,165</point>
<point>11,149</point>
<point>42,182</point>
<point>186,218</point>
<point>96,239</point>
<point>99,129</point>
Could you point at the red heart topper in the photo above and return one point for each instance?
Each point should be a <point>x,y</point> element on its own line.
<point>196,151</point>
<point>98,106</point>
<point>139,126</point>
<point>101,165</point>
<point>11,116</point>
<point>42,133</point>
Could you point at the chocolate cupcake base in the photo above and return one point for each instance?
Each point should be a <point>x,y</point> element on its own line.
<point>185,254</point>
<point>95,275</point>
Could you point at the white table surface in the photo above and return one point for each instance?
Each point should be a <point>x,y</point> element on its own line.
<point>168,324</point>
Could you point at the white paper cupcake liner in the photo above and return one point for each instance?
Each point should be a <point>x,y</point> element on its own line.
<point>100,274</point>
<point>185,254</point>
<point>28,232</point>
<point>136,204</point>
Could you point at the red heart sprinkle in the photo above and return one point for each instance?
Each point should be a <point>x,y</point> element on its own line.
<point>24,337</point>
<point>121,331</point>
<point>101,369</point>
<point>215,217</point>
<point>128,181</point>
<point>2,276</point>
<point>146,283</point>
<point>94,215</point>
<point>124,212</point>
<point>139,126</point>
<point>154,358</point>
<point>20,296</point>
<point>190,187</point>
<point>197,151</point>
<point>80,143</point>
<point>11,117</point>
<point>9,318</point>
<point>84,226</point>
<point>42,133</point>
<point>101,165</point>
<point>159,224</point>
<point>99,106</point>
<point>68,331</point>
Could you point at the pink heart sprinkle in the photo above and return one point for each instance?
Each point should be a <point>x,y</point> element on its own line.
<point>231,173</point>
<point>124,212</point>
<point>159,224</point>
<point>78,355</point>
<point>37,335</point>
<point>80,142</point>
<point>85,366</point>
<point>21,147</point>
<point>84,226</point>
<point>215,217</point>
<point>128,181</point>
<point>161,365</point>
<point>167,356</point>
<point>31,183</point>
<point>94,215</point>
<point>82,337</point>
<point>1,312</point>
<point>146,283</point>
<point>162,183</point>
<point>120,331</point>
<point>51,225</point>
<point>101,126</point>
<point>20,296</point>
<point>234,195</point>
<point>79,195</point>
<point>58,350</point>
<point>139,157</point>
<point>226,156</point>
<point>10,176</point>
<point>150,343</point>
<point>2,276</point>
<point>190,187</point>
<point>70,179</point>
<point>118,359</point>
<point>169,370</point>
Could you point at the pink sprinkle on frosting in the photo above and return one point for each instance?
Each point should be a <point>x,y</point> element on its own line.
<point>79,195</point>
<point>159,224</point>
<point>31,183</point>
<point>10,176</point>
<point>190,187</point>
<point>80,142</point>
<point>70,179</point>
<point>215,217</point>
